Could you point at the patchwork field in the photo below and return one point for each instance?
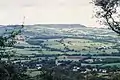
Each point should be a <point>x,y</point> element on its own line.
<point>82,40</point>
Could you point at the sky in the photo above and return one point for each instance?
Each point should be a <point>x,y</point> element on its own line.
<point>47,12</point>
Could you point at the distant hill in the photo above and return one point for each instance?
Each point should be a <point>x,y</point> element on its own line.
<point>61,25</point>
<point>47,25</point>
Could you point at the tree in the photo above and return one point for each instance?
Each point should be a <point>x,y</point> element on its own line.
<point>108,13</point>
<point>8,70</point>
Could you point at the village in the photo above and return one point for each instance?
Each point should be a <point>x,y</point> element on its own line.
<point>75,63</point>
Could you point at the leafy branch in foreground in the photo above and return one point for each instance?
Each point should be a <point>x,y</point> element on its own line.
<point>108,12</point>
<point>7,41</point>
<point>9,70</point>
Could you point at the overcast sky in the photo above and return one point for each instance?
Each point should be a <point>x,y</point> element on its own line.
<point>47,11</point>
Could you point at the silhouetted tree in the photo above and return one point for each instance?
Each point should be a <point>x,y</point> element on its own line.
<point>108,13</point>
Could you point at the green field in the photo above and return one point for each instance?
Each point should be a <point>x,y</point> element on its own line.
<point>79,46</point>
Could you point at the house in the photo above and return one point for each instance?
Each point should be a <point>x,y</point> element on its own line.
<point>20,38</point>
<point>89,60</point>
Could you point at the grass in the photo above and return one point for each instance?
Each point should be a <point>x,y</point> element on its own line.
<point>84,46</point>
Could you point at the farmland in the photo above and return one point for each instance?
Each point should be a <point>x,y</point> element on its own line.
<point>80,40</point>
<point>81,49</point>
